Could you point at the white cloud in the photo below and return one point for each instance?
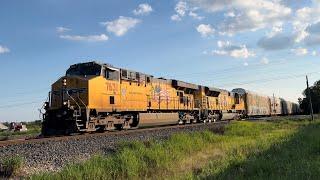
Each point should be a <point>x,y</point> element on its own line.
<point>230,14</point>
<point>223,44</point>
<point>195,15</point>
<point>265,60</point>
<point>205,30</point>
<point>243,52</point>
<point>175,17</point>
<point>300,51</point>
<point>246,64</point>
<point>276,29</point>
<point>121,25</point>
<point>306,23</point>
<point>181,8</point>
<point>90,38</point>
<point>227,48</point>
<point>313,34</point>
<point>287,23</point>
<point>301,35</point>
<point>219,52</point>
<point>251,14</point>
<point>304,17</point>
<point>4,49</point>
<point>62,29</point>
<point>143,9</point>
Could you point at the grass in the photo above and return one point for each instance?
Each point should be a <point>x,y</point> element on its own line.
<point>295,155</point>
<point>11,166</point>
<point>34,128</point>
<point>247,150</point>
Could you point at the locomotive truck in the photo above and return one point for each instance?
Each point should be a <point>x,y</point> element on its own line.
<point>94,96</point>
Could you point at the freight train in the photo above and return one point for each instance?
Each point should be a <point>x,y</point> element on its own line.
<point>96,96</point>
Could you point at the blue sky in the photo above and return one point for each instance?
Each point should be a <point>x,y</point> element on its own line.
<point>266,46</point>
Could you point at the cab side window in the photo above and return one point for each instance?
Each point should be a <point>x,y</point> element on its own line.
<point>111,74</point>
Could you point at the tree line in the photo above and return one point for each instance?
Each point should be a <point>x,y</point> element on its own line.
<point>315,97</point>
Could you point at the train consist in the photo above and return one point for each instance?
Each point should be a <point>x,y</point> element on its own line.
<point>97,97</point>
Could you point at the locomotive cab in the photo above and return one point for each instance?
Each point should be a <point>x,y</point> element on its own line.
<point>68,109</point>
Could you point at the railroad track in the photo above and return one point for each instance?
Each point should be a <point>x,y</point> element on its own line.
<point>86,135</point>
<point>55,152</point>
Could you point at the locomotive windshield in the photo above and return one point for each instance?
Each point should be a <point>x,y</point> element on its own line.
<point>89,69</point>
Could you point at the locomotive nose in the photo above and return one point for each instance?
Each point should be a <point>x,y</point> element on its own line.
<point>69,91</point>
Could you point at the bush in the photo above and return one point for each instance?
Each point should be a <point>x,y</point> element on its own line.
<point>11,166</point>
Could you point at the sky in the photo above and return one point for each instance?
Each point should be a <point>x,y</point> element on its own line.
<point>266,46</point>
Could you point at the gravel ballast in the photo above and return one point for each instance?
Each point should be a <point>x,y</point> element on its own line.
<point>53,154</point>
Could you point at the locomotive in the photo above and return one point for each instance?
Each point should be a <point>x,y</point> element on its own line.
<point>96,96</point>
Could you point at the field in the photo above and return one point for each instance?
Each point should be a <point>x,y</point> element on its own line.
<point>34,129</point>
<point>281,149</point>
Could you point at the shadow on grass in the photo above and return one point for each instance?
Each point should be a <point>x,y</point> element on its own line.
<point>296,158</point>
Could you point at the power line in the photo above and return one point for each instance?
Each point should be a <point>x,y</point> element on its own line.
<point>20,104</point>
<point>13,95</point>
<point>230,69</point>
<point>268,79</point>
<point>264,73</point>
<point>18,99</point>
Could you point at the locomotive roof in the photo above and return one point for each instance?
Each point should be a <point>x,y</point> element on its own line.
<point>182,83</point>
<point>94,62</point>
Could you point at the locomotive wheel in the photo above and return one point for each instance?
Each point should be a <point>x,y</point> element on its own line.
<point>214,119</point>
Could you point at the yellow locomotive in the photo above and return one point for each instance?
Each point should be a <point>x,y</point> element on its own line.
<point>94,96</point>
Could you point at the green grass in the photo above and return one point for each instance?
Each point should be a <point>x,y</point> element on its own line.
<point>11,166</point>
<point>278,150</point>
<point>136,159</point>
<point>247,150</point>
<point>34,128</point>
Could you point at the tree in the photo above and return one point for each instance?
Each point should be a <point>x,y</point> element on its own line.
<point>315,97</point>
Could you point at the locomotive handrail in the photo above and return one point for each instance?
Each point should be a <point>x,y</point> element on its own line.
<point>67,92</point>
<point>43,107</point>
<point>81,100</point>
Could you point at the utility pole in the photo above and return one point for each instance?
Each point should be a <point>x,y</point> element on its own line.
<point>310,102</point>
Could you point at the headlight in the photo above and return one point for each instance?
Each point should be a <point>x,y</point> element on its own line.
<point>65,103</point>
<point>64,82</point>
